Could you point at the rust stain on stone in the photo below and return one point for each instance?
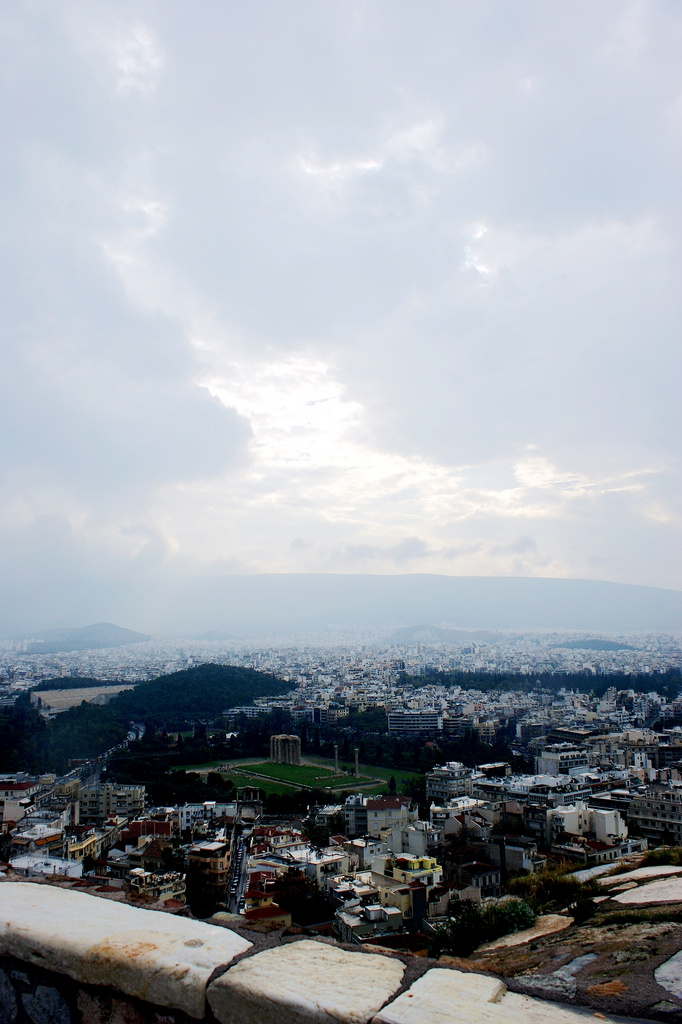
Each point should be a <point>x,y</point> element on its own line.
<point>608,988</point>
<point>131,950</point>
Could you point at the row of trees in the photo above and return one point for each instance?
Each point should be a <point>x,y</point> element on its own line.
<point>668,683</point>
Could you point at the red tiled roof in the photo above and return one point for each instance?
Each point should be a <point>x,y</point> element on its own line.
<point>154,850</point>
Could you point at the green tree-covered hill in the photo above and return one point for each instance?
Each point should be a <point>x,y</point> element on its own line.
<point>28,742</point>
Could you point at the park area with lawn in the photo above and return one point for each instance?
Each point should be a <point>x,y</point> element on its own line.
<point>314,773</point>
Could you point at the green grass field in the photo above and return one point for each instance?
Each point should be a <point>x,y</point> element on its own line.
<point>317,777</point>
<point>380,772</point>
<point>319,773</point>
<point>268,787</point>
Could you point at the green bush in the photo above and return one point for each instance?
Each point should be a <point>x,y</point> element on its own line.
<point>470,925</point>
<point>551,890</point>
<point>664,855</point>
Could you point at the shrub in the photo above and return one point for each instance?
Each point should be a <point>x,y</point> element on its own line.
<point>664,855</point>
<point>550,890</point>
<point>469,925</point>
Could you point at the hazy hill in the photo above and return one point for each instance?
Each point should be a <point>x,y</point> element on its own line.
<point>595,644</point>
<point>293,604</point>
<point>437,635</point>
<point>88,638</point>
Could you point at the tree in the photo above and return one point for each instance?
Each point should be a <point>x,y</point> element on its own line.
<point>470,924</point>
<point>88,864</point>
<point>337,823</point>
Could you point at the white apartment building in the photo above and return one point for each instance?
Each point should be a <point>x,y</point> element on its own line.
<point>607,826</point>
<point>448,781</point>
<point>414,723</point>
<point>563,759</point>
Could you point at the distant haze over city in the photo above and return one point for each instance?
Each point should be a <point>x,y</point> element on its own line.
<point>298,605</point>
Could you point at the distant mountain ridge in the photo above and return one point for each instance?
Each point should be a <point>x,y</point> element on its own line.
<point>287,604</point>
<point>439,635</point>
<point>98,636</point>
<point>294,606</point>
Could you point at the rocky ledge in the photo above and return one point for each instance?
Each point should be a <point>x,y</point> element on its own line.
<point>74,958</point>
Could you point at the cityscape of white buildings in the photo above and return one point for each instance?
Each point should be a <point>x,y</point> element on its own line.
<point>366,665</point>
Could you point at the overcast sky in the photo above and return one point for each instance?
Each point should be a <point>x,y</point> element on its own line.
<point>340,287</point>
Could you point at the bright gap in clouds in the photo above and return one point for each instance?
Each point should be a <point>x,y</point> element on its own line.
<point>311,459</point>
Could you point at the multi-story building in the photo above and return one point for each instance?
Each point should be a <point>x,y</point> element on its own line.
<point>105,800</point>
<point>482,877</point>
<point>515,853</point>
<point>82,842</point>
<point>657,813</point>
<point>606,826</point>
<point>562,759</point>
<point>419,839</point>
<point>370,815</point>
<point>16,797</point>
<point>384,812</point>
<point>355,811</point>
<point>359,923</point>
<point>210,811</point>
<point>209,865</point>
<point>448,781</point>
<point>45,838</point>
<point>414,723</point>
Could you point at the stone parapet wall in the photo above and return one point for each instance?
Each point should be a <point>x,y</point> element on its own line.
<point>74,958</point>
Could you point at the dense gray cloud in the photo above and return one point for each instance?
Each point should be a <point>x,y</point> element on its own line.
<point>340,287</point>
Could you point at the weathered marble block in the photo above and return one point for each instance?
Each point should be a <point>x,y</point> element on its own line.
<point>157,957</point>
<point>305,982</point>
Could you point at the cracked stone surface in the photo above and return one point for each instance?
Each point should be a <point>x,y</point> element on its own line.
<point>157,957</point>
<point>305,982</point>
<point>443,997</point>
<point>642,874</point>
<point>560,983</point>
<point>455,997</point>
<point>666,890</point>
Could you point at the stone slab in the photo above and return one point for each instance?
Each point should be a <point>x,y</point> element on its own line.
<point>456,997</point>
<point>443,997</point>
<point>157,957</point>
<point>305,982</point>
<point>665,890</point>
<point>669,975</point>
<point>547,924</point>
<point>642,874</point>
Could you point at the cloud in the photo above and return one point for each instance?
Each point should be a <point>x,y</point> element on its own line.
<point>400,285</point>
<point>404,551</point>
